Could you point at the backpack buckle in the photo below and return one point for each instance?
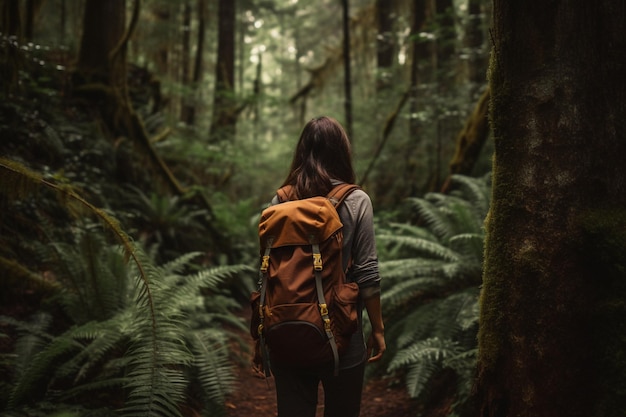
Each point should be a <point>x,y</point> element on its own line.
<point>317,261</point>
<point>324,309</point>
<point>266,263</point>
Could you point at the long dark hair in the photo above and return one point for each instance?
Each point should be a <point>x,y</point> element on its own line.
<point>323,153</point>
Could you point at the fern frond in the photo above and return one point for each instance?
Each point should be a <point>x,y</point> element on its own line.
<point>419,375</point>
<point>33,338</point>
<point>401,269</point>
<point>477,191</point>
<point>407,229</point>
<point>176,266</point>
<point>428,350</point>
<point>404,291</point>
<point>40,370</point>
<point>426,247</point>
<point>215,370</point>
<point>469,244</point>
<point>437,220</point>
<point>179,295</point>
<point>100,338</point>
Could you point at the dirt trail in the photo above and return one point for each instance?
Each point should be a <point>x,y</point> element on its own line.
<point>255,397</point>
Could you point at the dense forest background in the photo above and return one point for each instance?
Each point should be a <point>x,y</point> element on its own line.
<point>141,139</point>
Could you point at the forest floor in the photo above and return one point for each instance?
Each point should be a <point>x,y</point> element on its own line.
<point>256,396</point>
<point>382,397</point>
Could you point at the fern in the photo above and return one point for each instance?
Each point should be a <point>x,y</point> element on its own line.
<point>213,366</point>
<point>431,286</point>
<point>153,368</point>
<point>423,359</point>
<point>428,248</point>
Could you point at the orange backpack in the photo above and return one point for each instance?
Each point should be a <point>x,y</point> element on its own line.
<point>304,312</point>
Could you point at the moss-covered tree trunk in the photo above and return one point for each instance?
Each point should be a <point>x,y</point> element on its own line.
<point>552,336</point>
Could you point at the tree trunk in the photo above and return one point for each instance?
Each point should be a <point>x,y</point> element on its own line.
<point>190,112</point>
<point>347,79</point>
<point>420,67</point>
<point>224,105</point>
<point>385,44</point>
<point>445,75</point>
<point>552,338</point>
<point>186,61</point>
<point>101,75</point>
<point>104,24</point>
<point>10,54</point>
<point>475,42</point>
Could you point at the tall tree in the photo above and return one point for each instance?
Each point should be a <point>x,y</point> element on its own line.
<point>420,66</point>
<point>101,74</point>
<point>185,59</point>
<point>474,44</point>
<point>104,24</point>
<point>347,79</point>
<point>10,25</point>
<point>189,107</point>
<point>552,336</point>
<point>385,43</point>
<point>224,105</point>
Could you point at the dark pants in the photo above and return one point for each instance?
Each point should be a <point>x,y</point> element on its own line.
<point>296,391</point>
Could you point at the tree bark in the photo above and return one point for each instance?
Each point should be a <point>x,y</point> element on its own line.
<point>10,54</point>
<point>101,73</point>
<point>385,44</point>
<point>224,105</point>
<point>186,61</point>
<point>190,112</point>
<point>420,67</point>
<point>474,42</point>
<point>104,25</point>
<point>347,79</point>
<point>552,338</point>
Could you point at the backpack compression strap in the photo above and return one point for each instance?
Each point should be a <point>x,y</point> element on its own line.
<point>317,268</point>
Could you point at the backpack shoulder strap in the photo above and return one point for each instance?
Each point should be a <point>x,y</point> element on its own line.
<point>340,192</point>
<point>286,194</point>
<point>336,195</point>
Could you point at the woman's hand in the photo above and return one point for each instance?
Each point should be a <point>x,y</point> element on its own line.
<point>376,346</point>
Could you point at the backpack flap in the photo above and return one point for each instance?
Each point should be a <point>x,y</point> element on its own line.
<point>299,222</point>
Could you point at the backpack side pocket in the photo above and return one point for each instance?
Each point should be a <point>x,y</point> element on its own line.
<point>344,321</point>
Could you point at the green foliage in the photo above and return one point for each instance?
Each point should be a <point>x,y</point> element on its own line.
<point>137,335</point>
<point>431,286</point>
<point>148,347</point>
